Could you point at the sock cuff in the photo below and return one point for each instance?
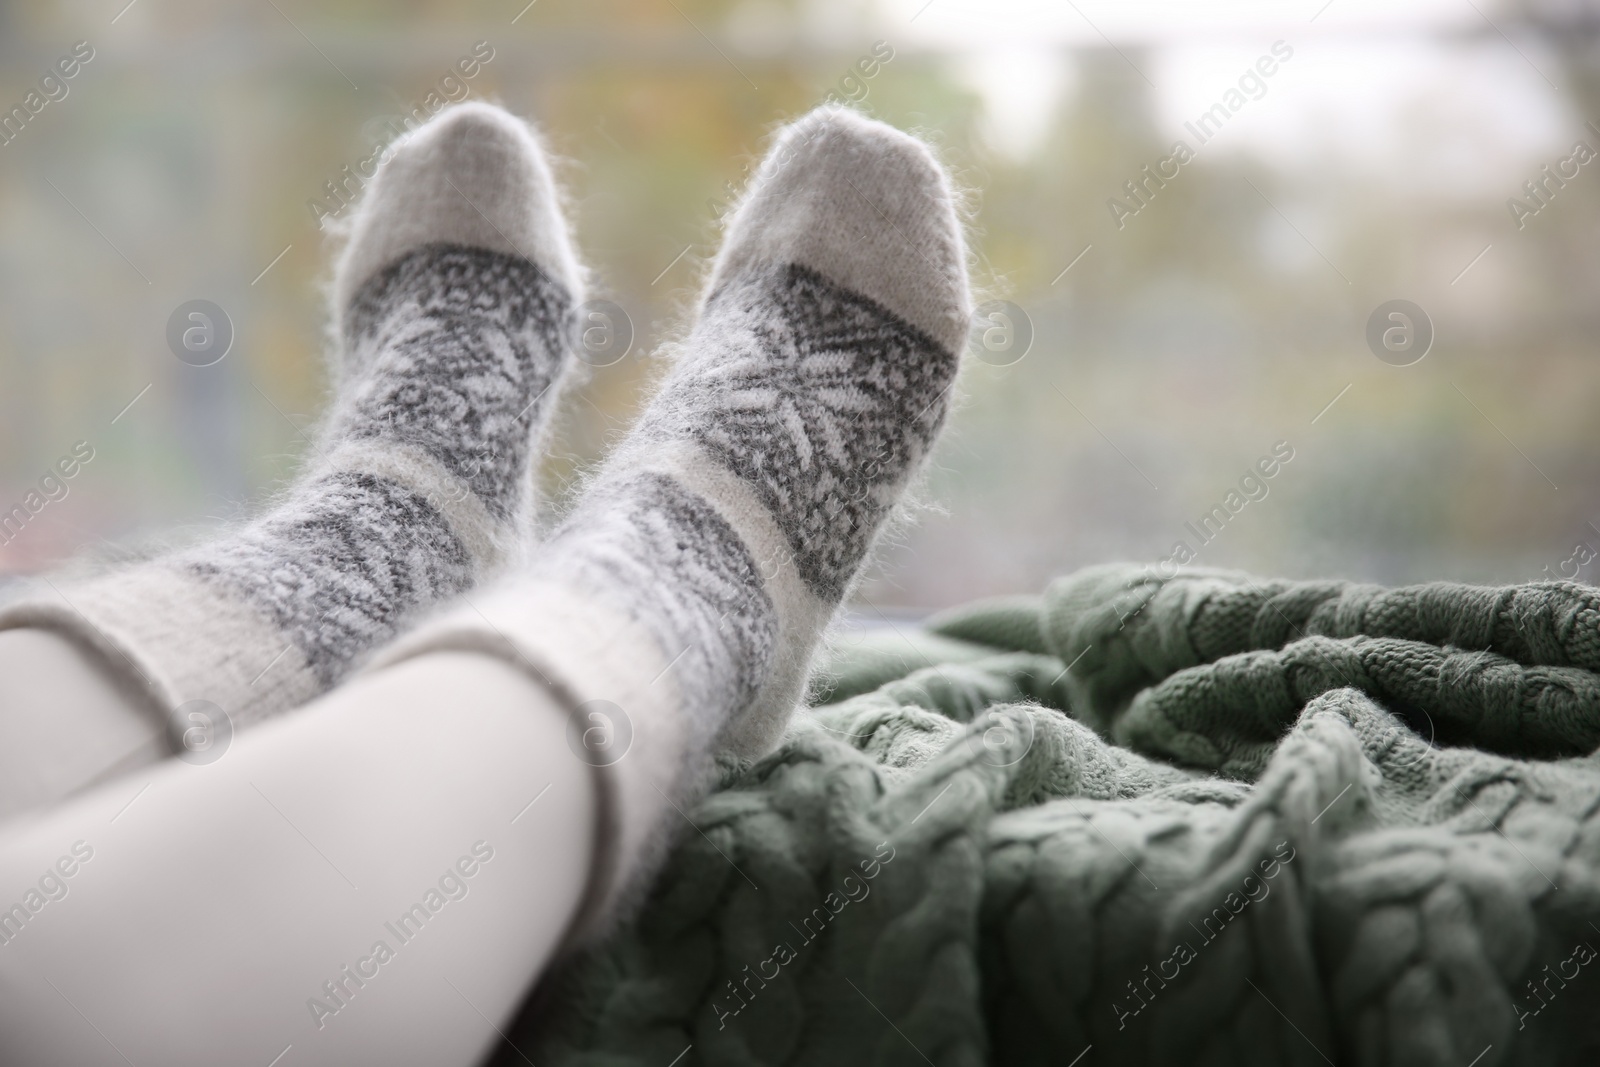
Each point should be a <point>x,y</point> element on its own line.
<point>171,638</point>
<point>626,720</point>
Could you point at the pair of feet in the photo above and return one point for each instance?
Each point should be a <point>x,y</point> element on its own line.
<point>681,599</point>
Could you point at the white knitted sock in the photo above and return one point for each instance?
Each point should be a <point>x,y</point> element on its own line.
<point>676,610</point>
<point>453,300</point>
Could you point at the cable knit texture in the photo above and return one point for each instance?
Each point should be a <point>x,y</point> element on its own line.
<point>1217,838</point>
<point>711,549</point>
<point>456,292</point>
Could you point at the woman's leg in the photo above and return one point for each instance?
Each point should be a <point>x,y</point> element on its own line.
<point>453,302</point>
<point>377,878</point>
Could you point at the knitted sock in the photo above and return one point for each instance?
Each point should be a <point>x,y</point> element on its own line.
<point>453,299</point>
<point>676,610</point>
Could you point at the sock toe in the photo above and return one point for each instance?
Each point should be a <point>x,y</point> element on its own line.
<point>474,176</point>
<point>866,206</point>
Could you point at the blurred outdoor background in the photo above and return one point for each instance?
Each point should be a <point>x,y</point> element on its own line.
<point>1167,354</point>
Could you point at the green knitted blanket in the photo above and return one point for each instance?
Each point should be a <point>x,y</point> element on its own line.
<point>1206,820</point>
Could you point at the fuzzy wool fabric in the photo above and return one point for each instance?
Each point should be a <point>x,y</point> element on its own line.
<point>676,609</point>
<point>1205,820</point>
<point>453,305</point>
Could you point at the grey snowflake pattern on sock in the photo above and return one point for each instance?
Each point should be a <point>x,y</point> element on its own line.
<point>455,350</point>
<point>670,560</point>
<point>339,565</point>
<point>822,400</point>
